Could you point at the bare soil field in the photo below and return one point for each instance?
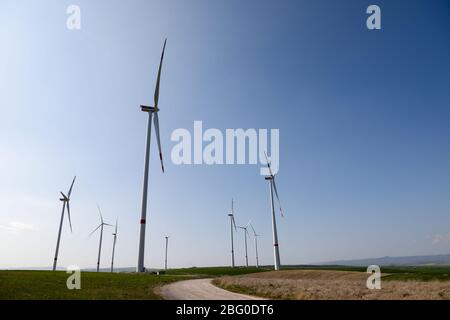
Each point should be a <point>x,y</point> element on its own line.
<point>331,285</point>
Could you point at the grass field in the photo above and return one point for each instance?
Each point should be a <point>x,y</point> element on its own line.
<point>47,285</point>
<point>299,282</point>
<point>217,271</point>
<point>346,283</point>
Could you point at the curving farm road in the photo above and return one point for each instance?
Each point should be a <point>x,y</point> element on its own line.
<point>199,289</point>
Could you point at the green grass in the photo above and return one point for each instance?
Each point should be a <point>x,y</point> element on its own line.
<point>47,285</point>
<point>425,273</point>
<point>216,271</point>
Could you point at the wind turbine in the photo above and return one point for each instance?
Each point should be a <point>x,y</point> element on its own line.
<point>245,235</point>
<point>101,236</point>
<point>167,245</point>
<point>232,224</point>
<point>256,244</point>
<point>65,200</point>
<point>152,114</point>
<point>114,246</point>
<point>273,188</point>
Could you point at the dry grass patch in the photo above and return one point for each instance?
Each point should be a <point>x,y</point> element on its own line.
<point>330,285</point>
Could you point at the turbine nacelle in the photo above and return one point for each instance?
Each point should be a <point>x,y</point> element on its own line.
<point>244,228</point>
<point>271,178</point>
<point>254,231</point>
<point>149,109</point>
<point>64,197</point>
<point>115,231</point>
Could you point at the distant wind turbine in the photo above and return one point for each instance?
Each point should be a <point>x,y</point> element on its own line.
<point>232,224</point>
<point>65,200</point>
<point>152,114</point>
<point>256,244</point>
<point>245,235</point>
<point>167,245</point>
<point>101,236</point>
<point>273,188</point>
<point>114,246</point>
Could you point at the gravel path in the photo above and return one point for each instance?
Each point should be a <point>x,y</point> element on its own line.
<point>199,289</point>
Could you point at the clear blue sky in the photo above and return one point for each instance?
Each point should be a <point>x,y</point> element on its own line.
<point>363,118</point>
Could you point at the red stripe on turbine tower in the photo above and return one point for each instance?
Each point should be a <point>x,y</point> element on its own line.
<point>143,221</point>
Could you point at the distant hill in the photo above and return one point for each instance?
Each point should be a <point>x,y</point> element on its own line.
<point>437,260</point>
<point>125,270</point>
<point>430,260</point>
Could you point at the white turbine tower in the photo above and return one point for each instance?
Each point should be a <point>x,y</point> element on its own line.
<point>167,245</point>
<point>152,114</point>
<point>232,225</point>
<point>114,246</point>
<point>65,200</point>
<point>245,237</point>
<point>273,188</point>
<point>101,237</point>
<point>256,244</point>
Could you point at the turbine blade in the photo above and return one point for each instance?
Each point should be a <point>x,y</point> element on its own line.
<point>94,230</point>
<point>158,80</point>
<point>64,196</point>
<point>107,224</point>
<point>71,186</point>
<point>158,139</point>
<point>234,223</point>
<point>68,214</point>
<point>100,212</point>
<point>268,164</point>
<point>276,194</point>
<point>249,223</point>
<point>117,222</point>
<point>232,206</point>
<point>253,230</point>
<point>64,207</point>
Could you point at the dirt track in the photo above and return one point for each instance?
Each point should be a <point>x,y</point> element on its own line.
<point>199,289</point>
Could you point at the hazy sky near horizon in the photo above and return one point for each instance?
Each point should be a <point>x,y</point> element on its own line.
<point>363,118</point>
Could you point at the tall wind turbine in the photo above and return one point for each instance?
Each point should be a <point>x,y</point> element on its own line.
<point>114,246</point>
<point>245,235</point>
<point>256,244</point>
<point>101,237</point>
<point>273,188</point>
<point>65,200</point>
<point>232,224</point>
<point>167,245</point>
<point>152,114</point>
